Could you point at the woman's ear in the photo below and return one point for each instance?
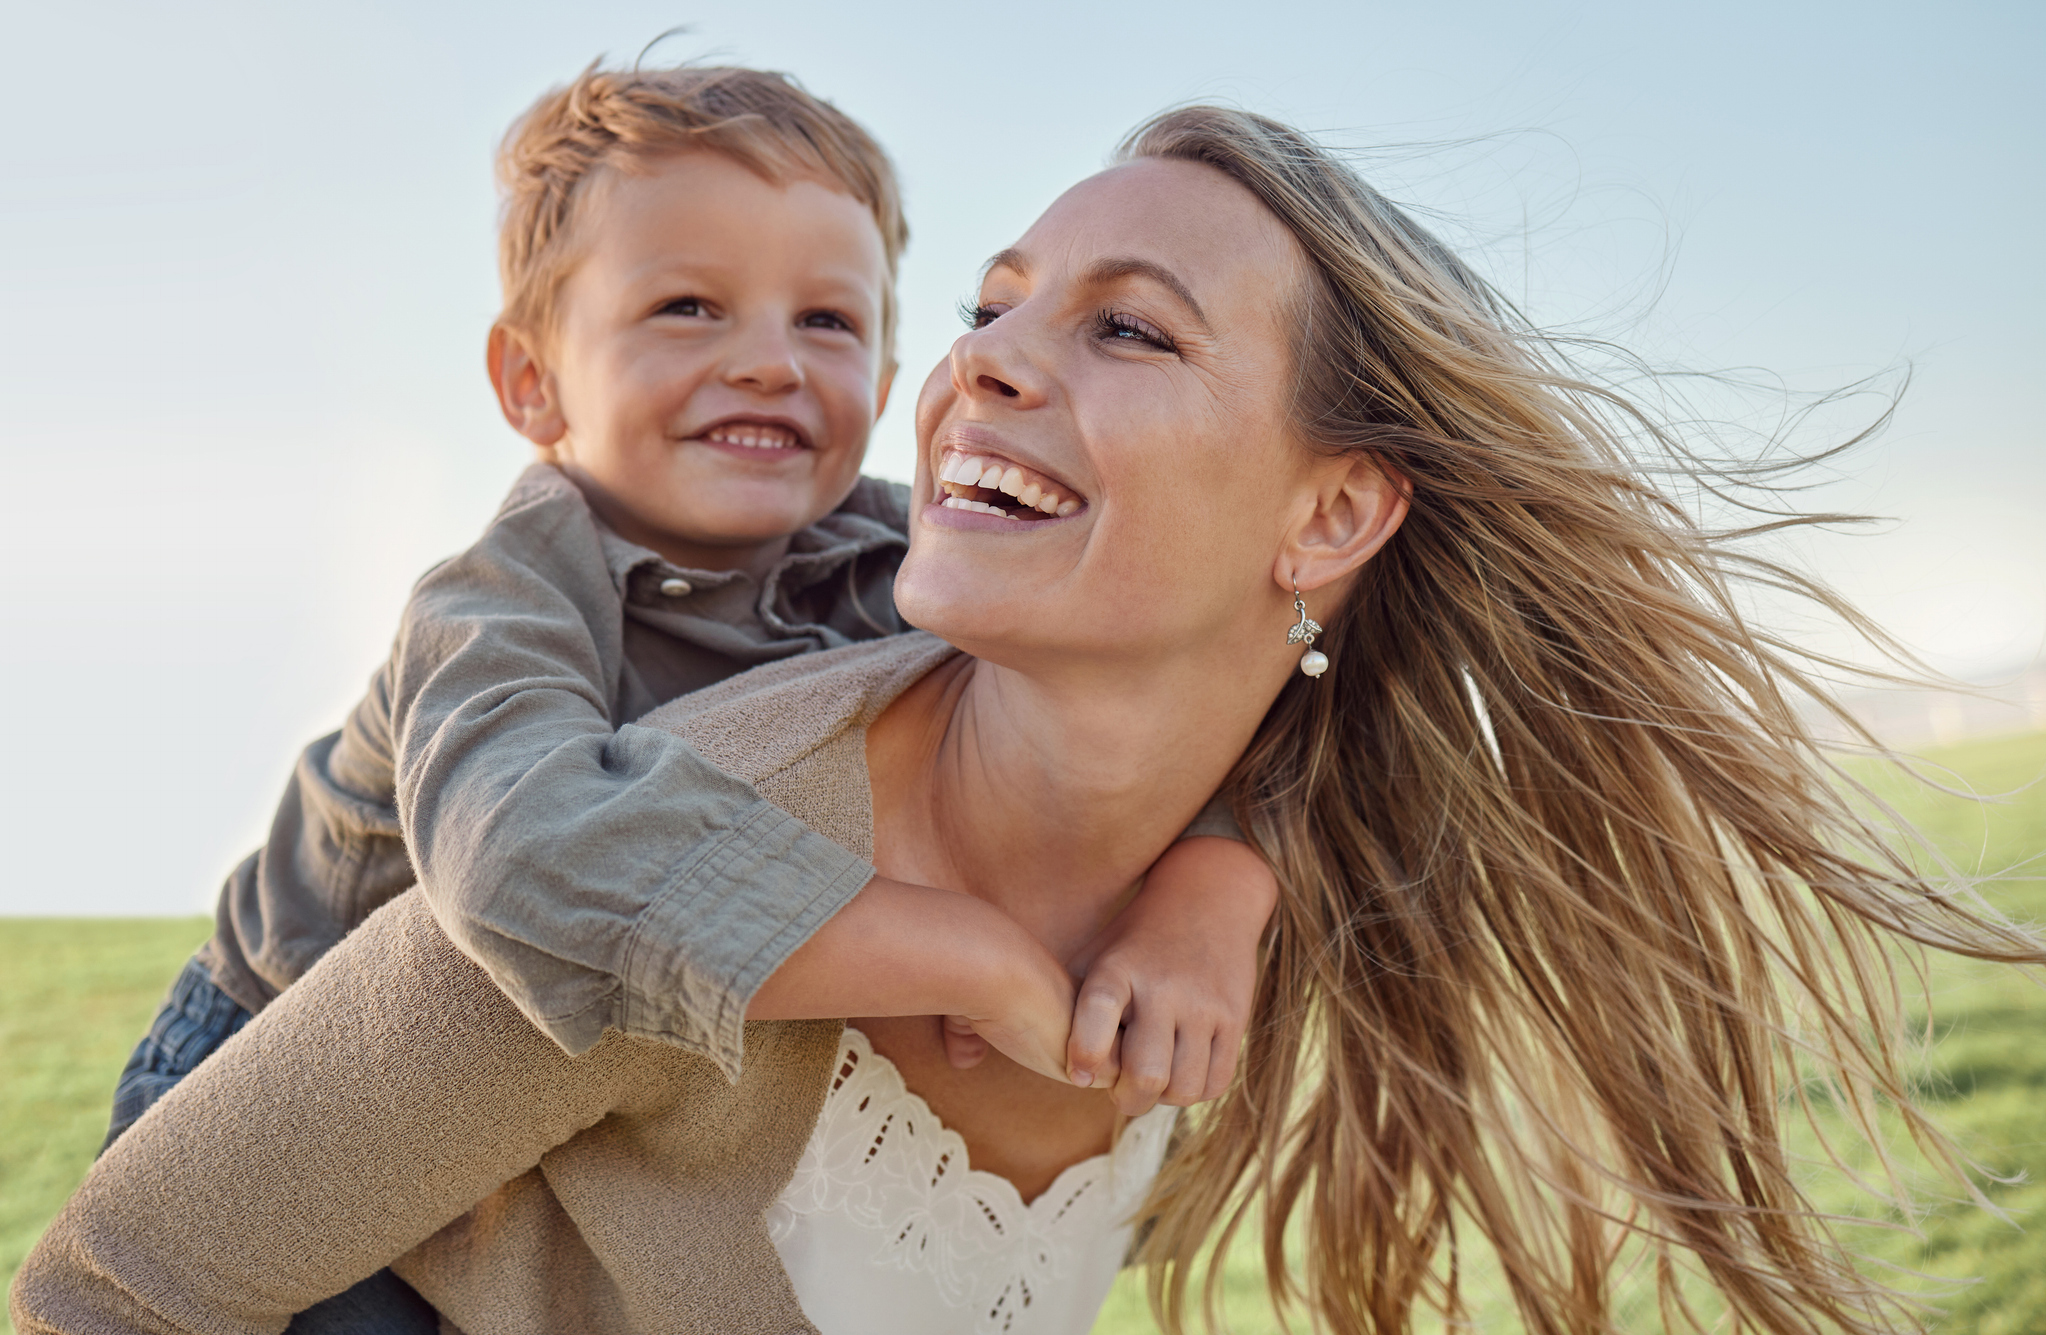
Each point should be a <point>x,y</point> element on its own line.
<point>526,391</point>
<point>1355,506</point>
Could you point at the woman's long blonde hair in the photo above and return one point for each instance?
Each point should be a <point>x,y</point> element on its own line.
<point>1572,902</point>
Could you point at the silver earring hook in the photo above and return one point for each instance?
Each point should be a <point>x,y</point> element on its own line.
<point>1308,628</point>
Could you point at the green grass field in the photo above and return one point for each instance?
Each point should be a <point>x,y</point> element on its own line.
<point>74,996</point>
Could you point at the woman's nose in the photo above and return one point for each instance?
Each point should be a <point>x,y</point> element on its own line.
<point>991,363</point>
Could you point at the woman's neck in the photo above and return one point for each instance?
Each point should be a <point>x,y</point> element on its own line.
<point>1047,798</point>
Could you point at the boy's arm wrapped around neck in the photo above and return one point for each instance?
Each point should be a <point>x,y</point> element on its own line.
<point>606,877</point>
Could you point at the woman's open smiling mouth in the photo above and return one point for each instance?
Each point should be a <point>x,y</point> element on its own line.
<point>989,484</point>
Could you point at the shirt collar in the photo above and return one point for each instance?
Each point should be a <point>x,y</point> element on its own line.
<point>814,553</point>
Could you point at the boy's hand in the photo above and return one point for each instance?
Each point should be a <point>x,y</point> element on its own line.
<point>902,949</point>
<point>1173,975</point>
<point>1029,1020</point>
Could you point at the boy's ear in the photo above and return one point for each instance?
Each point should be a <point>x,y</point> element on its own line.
<point>526,391</point>
<point>1354,507</point>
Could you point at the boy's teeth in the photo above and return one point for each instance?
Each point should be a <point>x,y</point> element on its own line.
<point>754,437</point>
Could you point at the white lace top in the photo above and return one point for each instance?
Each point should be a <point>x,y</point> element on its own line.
<point>885,1228</point>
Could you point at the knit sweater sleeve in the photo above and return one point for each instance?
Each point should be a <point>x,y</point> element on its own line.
<point>377,1100</point>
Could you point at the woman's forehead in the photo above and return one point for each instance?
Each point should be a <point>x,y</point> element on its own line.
<point>1185,218</point>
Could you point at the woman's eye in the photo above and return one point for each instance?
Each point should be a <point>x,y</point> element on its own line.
<point>687,307</point>
<point>1121,327</point>
<point>824,320</point>
<point>977,315</point>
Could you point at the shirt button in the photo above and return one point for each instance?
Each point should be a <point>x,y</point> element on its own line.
<point>676,588</point>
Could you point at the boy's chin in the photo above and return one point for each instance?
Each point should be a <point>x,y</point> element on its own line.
<point>730,526</point>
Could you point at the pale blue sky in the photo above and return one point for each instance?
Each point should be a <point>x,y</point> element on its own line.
<point>247,270</point>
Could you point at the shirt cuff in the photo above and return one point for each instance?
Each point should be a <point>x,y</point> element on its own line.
<point>730,918</point>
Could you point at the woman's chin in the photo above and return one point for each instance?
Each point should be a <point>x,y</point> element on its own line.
<point>974,605</point>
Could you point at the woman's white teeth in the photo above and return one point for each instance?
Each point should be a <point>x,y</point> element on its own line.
<point>961,503</point>
<point>966,470</point>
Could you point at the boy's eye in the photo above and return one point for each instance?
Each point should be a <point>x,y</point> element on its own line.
<point>687,307</point>
<point>824,320</point>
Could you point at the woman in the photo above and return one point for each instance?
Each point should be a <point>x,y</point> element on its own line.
<point>1559,865</point>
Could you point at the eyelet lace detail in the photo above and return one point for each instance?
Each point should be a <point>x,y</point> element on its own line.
<point>882,1157</point>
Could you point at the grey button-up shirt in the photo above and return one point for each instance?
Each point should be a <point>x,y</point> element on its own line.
<point>605,875</point>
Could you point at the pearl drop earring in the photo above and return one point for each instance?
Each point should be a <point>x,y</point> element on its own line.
<point>1313,662</point>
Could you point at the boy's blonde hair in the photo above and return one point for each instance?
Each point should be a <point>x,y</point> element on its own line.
<point>606,118</point>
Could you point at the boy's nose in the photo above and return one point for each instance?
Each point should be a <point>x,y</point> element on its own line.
<point>764,363</point>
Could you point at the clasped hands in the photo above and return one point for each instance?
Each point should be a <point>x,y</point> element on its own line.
<point>1152,1010</point>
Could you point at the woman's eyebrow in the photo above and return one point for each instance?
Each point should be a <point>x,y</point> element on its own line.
<point>1110,270</point>
<point>1010,259</point>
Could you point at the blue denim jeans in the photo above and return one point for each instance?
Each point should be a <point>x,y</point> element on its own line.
<point>196,1018</point>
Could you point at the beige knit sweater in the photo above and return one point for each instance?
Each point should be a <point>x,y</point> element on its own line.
<point>394,1108</point>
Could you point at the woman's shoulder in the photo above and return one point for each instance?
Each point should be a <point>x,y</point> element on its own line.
<point>770,717</point>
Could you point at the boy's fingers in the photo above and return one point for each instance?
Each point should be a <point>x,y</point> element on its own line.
<point>1109,1069</point>
<point>1146,1066</point>
<point>963,1047</point>
<point>1191,1057</point>
<point>1222,1062</point>
<point>1097,1016</point>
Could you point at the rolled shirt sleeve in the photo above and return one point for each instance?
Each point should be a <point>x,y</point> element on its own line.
<point>604,876</point>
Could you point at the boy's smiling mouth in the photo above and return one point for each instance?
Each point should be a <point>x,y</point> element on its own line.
<point>754,433</point>
<point>993,485</point>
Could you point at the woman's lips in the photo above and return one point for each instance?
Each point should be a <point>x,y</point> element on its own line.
<point>990,484</point>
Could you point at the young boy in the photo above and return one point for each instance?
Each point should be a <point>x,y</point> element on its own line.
<point>698,270</point>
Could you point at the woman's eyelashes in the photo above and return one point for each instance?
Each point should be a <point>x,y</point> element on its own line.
<point>1122,327</point>
<point>1109,325</point>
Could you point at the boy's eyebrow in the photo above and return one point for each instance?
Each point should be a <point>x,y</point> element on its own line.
<point>1108,271</point>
